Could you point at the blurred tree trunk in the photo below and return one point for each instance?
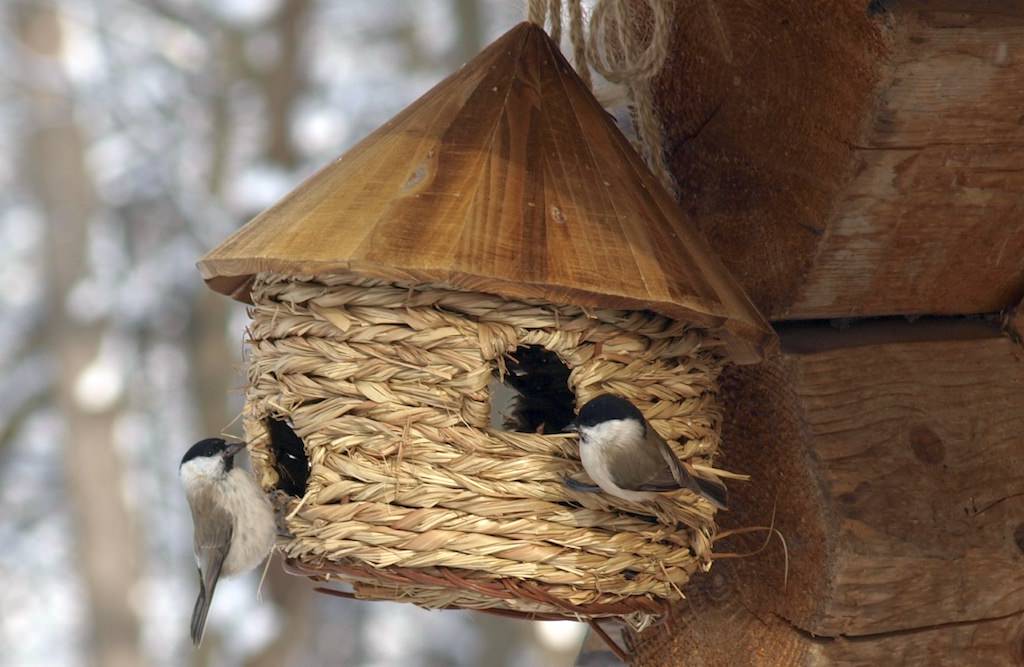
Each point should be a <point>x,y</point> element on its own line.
<point>213,371</point>
<point>470,32</point>
<point>108,544</point>
<point>284,82</point>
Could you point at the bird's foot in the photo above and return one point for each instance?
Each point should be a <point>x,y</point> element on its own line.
<point>576,485</point>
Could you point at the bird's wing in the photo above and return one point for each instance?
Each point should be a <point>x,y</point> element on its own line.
<point>707,485</point>
<point>710,486</point>
<point>666,479</point>
<point>675,467</point>
<point>678,475</point>
<point>211,542</point>
<point>640,468</point>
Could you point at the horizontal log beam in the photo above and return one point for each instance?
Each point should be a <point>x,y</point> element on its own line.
<point>896,472</point>
<point>717,627</point>
<point>853,158</point>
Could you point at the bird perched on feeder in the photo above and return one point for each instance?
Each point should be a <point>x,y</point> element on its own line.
<point>628,459</point>
<point>234,526</point>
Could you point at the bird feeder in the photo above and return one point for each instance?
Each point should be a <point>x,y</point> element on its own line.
<point>499,228</point>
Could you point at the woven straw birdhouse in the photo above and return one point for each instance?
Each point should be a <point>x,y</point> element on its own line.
<point>499,234</point>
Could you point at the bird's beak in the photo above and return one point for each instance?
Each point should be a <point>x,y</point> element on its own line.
<point>232,449</point>
<point>572,427</point>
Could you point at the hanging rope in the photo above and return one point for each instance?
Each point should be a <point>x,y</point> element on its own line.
<point>616,48</point>
<point>579,41</point>
<point>554,11</point>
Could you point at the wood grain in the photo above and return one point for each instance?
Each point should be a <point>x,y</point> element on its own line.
<point>897,474</point>
<point>933,219</point>
<point>718,627</point>
<point>509,178</point>
<point>1013,323</point>
<point>854,159</point>
<point>760,101</point>
<point>919,447</point>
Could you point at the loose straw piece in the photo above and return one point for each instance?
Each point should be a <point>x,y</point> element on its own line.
<point>263,576</point>
<point>770,529</point>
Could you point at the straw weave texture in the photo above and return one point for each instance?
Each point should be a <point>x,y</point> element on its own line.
<point>413,496</point>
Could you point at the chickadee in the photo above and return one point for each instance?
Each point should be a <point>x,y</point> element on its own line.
<point>234,522</point>
<point>628,459</point>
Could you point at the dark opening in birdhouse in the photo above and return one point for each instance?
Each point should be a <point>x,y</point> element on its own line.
<point>534,396</point>
<point>290,460</point>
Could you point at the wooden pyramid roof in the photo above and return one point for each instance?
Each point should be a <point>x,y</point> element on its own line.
<point>507,178</point>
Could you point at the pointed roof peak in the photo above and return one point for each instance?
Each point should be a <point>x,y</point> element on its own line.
<point>508,177</point>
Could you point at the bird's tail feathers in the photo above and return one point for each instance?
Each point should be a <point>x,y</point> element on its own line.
<point>199,612</point>
<point>709,486</point>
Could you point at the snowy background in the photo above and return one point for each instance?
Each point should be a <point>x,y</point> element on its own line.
<point>135,135</point>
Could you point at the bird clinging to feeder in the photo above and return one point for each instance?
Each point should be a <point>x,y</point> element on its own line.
<point>500,212</point>
<point>627,458</point>
<point>233,523</point>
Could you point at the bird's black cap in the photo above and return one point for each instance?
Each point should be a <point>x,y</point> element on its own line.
<point>209,447</point>
<point>607,407</point>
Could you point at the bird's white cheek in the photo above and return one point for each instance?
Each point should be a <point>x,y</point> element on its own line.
<point>200,472</point>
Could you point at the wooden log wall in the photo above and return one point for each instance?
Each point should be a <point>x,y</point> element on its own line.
<point>893,455</point>
<point>853,160</point>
